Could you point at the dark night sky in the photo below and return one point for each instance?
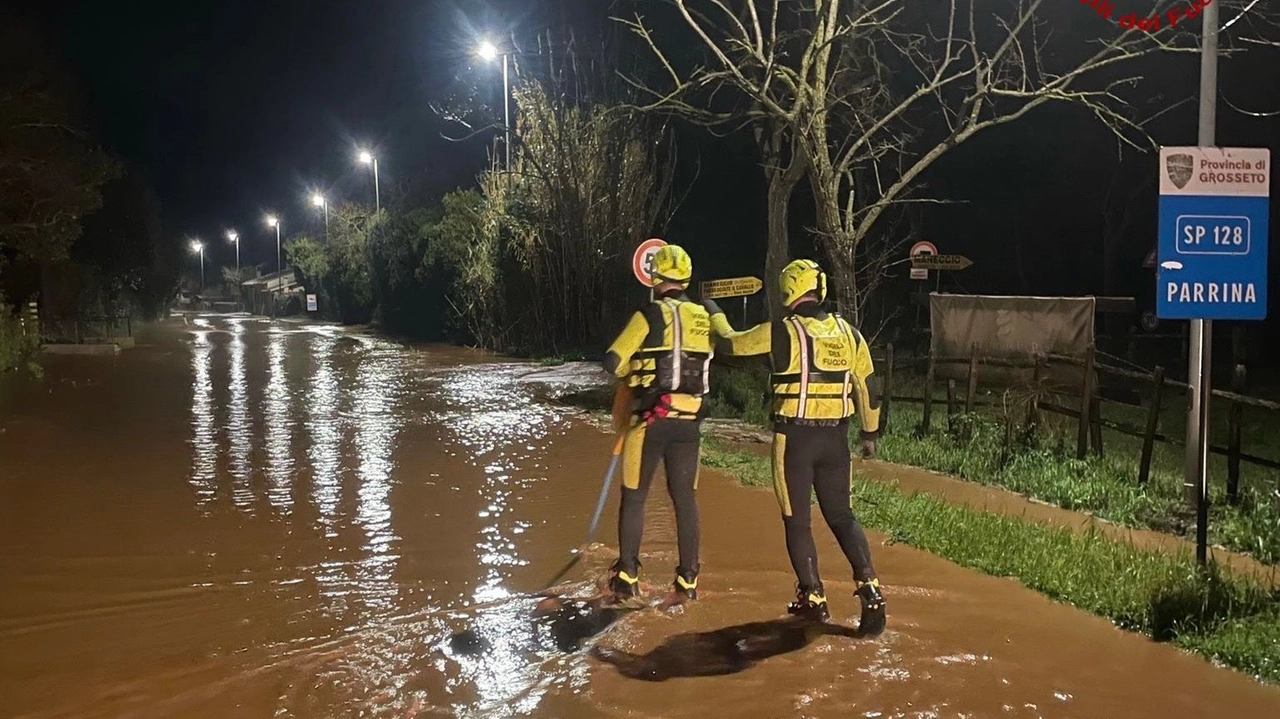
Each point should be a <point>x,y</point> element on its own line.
<point>233,108</point>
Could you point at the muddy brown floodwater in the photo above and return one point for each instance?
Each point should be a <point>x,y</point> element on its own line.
<point>242,518</point>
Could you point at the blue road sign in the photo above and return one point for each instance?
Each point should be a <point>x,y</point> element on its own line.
<point>1212,250</point>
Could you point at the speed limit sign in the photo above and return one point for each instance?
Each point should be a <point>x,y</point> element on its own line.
<point>642,262</point>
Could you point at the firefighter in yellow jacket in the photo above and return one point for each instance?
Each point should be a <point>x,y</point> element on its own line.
<point>664,354</point>
<point>820,370</point>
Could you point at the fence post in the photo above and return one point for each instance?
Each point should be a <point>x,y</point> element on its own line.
<point>928,396</point>
<point>1153,420</point>
<point>951,399</point>
<point>973,378</point>
<point>886,401</point>
<point>1037,376</point>
<point>1233,437</point>
<point>1086,394</point>
<point>1095,423</point>
<point>1238,346</point>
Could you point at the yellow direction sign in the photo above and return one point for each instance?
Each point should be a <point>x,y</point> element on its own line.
<point>940,262</point>
<point>732,287</point>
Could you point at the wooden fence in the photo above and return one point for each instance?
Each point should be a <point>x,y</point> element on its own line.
<point>1088,415</point>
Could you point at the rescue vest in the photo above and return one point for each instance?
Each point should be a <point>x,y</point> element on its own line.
<point>817,383</point>
<point>676,354</point>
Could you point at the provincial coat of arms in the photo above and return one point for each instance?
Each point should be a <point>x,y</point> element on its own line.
<point>1179,168</point>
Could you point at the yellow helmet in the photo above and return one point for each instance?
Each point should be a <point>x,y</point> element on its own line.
<point>671,264</point>
<point>800,278</point>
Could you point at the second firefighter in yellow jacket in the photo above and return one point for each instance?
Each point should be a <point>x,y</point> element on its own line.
<point>820,369</point>
<point>664,353</point>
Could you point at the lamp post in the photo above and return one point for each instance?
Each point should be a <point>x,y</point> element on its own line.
<point>233,236</point>
<point>488,51</point>
<point>319,200</point>
<point>198,247</point>
<point>367,158</point>
<point>273,221</point>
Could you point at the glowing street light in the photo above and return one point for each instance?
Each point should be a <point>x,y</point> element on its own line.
<point>366,158</point>
<point>319,200</point>
<point>233,236</point>
<point>487,51</point>
<point>198,247</point>
<point>273,221</point>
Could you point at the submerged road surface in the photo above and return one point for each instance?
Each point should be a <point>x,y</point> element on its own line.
<point>242,518</point>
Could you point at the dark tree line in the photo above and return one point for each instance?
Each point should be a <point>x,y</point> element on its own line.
<point>79,229</point>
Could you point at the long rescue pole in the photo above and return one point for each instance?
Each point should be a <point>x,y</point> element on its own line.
<point>621,423</point>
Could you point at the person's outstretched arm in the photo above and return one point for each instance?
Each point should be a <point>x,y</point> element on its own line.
<point>755,341</point>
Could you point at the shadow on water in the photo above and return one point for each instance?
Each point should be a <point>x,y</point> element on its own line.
<point>556,621</point>
<point>723,651</point>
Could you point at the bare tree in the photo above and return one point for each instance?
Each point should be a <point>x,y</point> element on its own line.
<point>691,95</point>
<point>873,92</point>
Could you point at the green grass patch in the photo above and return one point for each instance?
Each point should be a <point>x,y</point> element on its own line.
<point>1166,596</point>
<point>1042,463</point>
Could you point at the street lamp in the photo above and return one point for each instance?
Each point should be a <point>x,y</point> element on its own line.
<point>233,236</point>
<point>273,221</point>
<point>367,158</point>
<point>198,247</point>
<point>319,200</point>
<point>488,51</point>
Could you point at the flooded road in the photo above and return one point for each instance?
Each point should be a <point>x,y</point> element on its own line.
<point>242,518</point>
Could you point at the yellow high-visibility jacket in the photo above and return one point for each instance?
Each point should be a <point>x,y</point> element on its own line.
<point>666,349</point>
<point>821,364</point>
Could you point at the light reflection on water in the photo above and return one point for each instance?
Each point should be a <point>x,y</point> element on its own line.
<point>324,426</point>
<point>239,424</point>
<point>497,426</point>
<point>377,424</point>
<point>279,424</point>
<point>351,404</point>
<point>204,456</point>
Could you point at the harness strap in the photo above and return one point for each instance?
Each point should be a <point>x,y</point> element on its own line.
<point>802,338</point>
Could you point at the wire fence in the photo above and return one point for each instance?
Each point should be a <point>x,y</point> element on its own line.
<point>1085,400</point>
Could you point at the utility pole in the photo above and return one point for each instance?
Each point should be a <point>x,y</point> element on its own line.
<point>506,109</point>
<point>1200,362</point>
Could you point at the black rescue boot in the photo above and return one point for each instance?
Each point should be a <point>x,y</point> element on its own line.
<point>810,604</point>
<point>623,584</point>
<point>686,584</point>
<point>873,616</point>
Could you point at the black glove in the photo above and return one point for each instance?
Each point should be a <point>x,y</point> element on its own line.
<point>712,307</point>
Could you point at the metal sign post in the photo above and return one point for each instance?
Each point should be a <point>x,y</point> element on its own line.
<point>1212,256</point>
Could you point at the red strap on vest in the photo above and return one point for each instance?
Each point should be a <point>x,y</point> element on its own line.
<point>660,409</point>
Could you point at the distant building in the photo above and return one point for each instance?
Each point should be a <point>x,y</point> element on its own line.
<point>279,293</point>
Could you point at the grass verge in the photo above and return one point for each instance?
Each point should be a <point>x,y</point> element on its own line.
<point>1042,464</point>
<point>1228,619</point>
